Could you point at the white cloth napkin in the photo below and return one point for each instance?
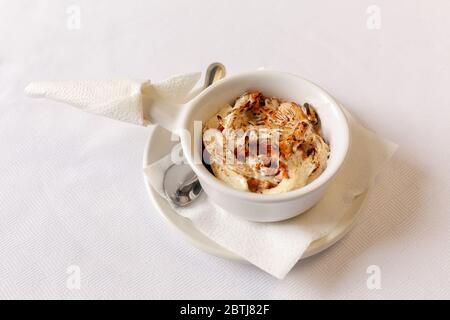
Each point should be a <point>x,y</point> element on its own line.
<point>276,247</point>
<point>117,99</point>
<point>273,247</point>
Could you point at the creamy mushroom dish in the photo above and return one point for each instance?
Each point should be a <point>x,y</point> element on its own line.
<point>265,145</point>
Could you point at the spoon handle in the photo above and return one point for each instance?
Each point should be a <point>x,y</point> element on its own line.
<point>215,72</point>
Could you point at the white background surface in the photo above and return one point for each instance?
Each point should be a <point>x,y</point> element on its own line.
<point>71,184</point>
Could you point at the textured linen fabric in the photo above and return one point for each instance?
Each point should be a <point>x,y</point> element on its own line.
<point>71,185</point>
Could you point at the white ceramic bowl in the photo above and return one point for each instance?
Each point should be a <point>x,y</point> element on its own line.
<point>264,207</point>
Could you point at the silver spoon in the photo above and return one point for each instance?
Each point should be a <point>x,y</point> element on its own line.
<point>180,183</point>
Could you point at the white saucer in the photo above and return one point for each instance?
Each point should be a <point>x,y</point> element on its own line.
<point>160,144</point>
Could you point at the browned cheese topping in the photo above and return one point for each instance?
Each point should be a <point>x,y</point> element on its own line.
<point>267,145</point>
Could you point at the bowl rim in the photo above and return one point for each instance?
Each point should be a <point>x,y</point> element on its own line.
<point>204,174</point>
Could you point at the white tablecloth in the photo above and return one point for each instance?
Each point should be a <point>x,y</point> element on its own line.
<point>72,193</point>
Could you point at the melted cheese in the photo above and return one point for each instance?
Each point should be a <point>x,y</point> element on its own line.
<point>266,145</point>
